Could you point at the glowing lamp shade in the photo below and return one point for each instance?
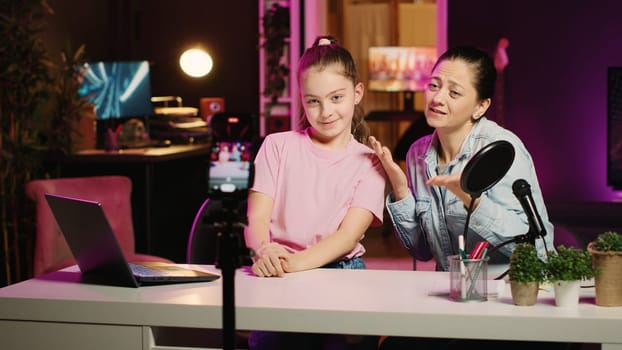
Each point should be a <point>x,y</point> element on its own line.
<point>196,63</point>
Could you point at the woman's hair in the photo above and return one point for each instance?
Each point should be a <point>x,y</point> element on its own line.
<point>484,68</point>
<point>322,54</point>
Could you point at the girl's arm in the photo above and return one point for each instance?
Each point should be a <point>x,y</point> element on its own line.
<point>257,236</point>
<point>333,246</point>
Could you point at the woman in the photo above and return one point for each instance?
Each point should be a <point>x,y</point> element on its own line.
<point>427,205</point>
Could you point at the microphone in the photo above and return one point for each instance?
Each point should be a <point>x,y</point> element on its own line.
<point>522,191</point>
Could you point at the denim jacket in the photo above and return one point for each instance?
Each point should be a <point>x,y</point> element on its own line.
<point>430,219</point>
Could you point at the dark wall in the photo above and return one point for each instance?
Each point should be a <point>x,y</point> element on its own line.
<point>158,31</point>
<point>555,83</point>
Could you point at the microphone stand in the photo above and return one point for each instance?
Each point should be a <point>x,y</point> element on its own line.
<point>468,217</point>
<point>231,254</point>
<point>529,237</point>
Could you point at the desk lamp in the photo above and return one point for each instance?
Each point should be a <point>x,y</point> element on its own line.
<point>196,63</point>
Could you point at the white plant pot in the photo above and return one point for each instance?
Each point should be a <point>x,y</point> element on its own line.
<point>567,293</point>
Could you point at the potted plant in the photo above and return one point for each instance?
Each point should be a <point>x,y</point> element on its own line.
<point>565,269</point>
<point>606,252</point>
<point>24,78</point>
<point>275,33</point>
<point>66,123</point>
<point>38,103</point>
<point>526,273</point>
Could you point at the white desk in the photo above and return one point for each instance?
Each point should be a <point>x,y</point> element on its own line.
<point>373,302</point>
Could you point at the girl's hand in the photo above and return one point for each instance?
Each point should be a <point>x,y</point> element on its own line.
<point>268,260</point>
<point>289,263</point>
<point>396,175</point>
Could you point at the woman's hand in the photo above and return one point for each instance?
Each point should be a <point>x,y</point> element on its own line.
<point>452,183</point>
<point>268,260</point>
<point>396,175</point>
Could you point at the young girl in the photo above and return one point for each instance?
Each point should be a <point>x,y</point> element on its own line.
<point>317,190</point>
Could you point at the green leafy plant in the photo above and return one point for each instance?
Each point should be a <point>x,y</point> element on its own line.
<point>275,34</point>
<point>38,106</point>
<point>608,241</point>
<point>606,252</point>
<point>569,264</point>
<point>525,265</point>
<point>24,81</point>
<point>67,106</point>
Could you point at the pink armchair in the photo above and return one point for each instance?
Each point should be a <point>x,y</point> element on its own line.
<point>114,192</point>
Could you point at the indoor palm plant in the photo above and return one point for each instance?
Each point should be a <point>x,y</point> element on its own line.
<point>565,269</point>
<point>67,107</point>
<point>526,273</point>
<point>606,251</point>
<point>37,99</point>
<point>24,81</point>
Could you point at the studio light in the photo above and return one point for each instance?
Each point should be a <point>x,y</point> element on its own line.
<point>196,63</point>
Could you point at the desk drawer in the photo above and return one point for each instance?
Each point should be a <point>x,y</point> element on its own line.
<point>174,338</point>
<point>25,335</point>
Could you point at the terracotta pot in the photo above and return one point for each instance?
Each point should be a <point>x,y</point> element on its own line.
<point>608,282</point>
<point>524,293</point>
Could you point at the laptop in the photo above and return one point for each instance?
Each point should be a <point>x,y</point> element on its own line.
<point>98,254</point>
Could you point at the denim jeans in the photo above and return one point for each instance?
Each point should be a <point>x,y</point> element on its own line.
<point>352,264</point>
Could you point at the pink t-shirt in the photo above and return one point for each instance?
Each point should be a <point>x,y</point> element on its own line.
<point>313,188</point>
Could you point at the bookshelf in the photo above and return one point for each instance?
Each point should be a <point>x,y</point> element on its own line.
<point>279,51</point>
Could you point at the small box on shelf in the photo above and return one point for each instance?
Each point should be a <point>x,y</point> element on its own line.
<point>278,123</point>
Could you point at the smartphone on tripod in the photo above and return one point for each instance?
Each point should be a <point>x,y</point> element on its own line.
<point>229,173</point>
<point>230,166</point>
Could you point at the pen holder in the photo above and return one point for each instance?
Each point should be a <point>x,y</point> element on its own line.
<point>111,141</point>
<point>468,279</point>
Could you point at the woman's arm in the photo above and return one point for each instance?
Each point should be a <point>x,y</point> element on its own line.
<point>333,246</point>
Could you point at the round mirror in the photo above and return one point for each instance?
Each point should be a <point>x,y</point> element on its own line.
<point>487,167</point>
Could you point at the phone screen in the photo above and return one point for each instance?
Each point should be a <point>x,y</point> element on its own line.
<point>229,171</point>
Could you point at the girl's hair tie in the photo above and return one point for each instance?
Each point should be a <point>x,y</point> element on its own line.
<point>324,41</point>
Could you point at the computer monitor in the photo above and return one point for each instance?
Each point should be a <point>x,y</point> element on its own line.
<point>117,89</point>
<point>614,127</point>
<point>404,69</point>
<point>400,68</point>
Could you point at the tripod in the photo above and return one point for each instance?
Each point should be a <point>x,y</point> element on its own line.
<point>231,253</point>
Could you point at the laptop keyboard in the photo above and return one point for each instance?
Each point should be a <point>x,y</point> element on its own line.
<point>142,270</point>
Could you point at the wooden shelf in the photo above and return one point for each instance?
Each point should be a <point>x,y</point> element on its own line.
<point>289,101</point>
